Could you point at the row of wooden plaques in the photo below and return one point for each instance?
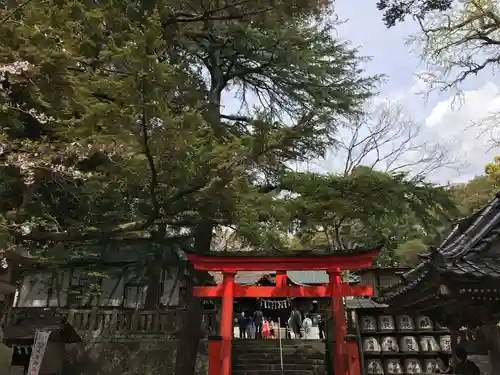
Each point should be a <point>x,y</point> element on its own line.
<point>404,323</point>
<point>406,344</point>
<point>397,366</point>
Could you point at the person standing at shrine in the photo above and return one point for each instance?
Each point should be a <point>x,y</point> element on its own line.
<point>295,322</point>
<point>250,327</point>
<point>307,325</point>
<point>272,328</point>
<point>444,366</point>
<point>266,329</point>
<point>320,323</point>
<point>258,318</point>
<point>465,366</point>
<point>242,325</point>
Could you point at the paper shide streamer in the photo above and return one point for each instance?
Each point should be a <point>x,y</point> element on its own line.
<point>270,304</point>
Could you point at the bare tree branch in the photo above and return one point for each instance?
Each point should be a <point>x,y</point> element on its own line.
<point>14,11</point>
<point>459,43</point>
<point>236,118</point>
<point>388,140</point>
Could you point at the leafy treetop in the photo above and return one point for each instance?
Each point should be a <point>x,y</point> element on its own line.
<point>112,123</point>
<point>395,11</point>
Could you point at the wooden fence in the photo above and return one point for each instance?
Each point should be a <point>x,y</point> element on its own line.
<point>118,321</point>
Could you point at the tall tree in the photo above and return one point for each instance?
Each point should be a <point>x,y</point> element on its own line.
<point>113,124</point>
<point>303,80</point>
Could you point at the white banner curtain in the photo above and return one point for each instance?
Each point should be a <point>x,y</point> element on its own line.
<point>39,346</point>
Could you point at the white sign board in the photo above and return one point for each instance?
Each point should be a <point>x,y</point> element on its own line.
<point>41,339</point>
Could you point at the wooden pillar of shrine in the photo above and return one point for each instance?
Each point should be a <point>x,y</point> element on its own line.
<point>226,322</point>
<point>339,325</point>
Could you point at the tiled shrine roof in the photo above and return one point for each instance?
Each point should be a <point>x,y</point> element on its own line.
<point>471,252</point>
<point>362,303</point>
<point>302,253</point>
<point>297,277</point>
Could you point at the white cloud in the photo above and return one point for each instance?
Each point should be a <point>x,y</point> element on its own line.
<point>463,125</point>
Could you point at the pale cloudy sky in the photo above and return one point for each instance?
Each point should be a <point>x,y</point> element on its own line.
<point>441,118</point>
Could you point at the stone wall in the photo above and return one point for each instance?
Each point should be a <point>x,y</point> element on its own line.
<point>5,359</point>
<point>132,355</point>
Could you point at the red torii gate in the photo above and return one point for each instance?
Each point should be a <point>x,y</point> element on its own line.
<point>333,264</point>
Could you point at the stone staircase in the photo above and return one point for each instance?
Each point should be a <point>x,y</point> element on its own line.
<point>262,357</point>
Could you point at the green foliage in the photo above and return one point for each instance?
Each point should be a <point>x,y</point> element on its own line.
<point>473,195</point>
<point>364,209</point>
<point>492,170</point>
<point>468,198</point>
<point>407,253</point>
<point>112,125</point>
<point>456,40</point>
<point>395,11</point>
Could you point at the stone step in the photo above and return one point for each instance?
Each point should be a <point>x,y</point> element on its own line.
<point>277,372</point>
<point>270,347</point>
<point>277,366</point>
<point>244,346</point>
<point>277,348</point>
<point>257,355</point>
<point>273,342</point>
<point>276,361</point>
<point>312,355</point>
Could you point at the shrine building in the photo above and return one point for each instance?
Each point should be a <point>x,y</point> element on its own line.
<point>457,284</point>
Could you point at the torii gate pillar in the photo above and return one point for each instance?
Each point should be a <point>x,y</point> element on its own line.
<point>339,324</point>
<point>226,322</point>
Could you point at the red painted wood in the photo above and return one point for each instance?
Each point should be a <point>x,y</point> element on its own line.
<point>281,279</point>
<point>226,324</point>
<point>241,291</point>
<point>339,324</point>
<point>214,357</point>
<point>239,263</point>
<point>352,359</point>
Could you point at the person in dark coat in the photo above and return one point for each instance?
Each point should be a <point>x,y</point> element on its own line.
<point>444,366</point>
<point>243,325</point>
<point>258,318</point>
<point>295,322</point>
<point>321,326</point>
<point>464,365</point>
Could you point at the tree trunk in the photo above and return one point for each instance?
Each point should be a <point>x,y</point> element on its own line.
<point>154,271</point>
<point>191,330</point>
<point>187,350</point>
